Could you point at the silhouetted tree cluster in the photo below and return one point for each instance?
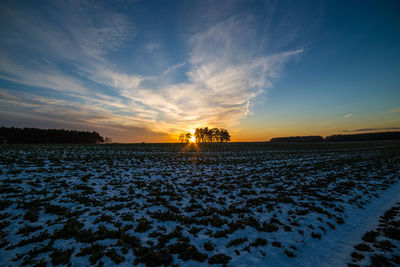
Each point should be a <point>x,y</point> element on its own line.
<point>339,138</point>
<point>364,137</point>
<point>205,135</point>
<point>48,136</point>
<point>298,139</point>
<point>185,137</point>
<point>107,140</point>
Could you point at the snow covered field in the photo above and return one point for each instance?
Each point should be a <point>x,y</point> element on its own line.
<point>163,204</point>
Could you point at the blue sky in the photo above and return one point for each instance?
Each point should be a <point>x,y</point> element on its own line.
<point>147,70</point>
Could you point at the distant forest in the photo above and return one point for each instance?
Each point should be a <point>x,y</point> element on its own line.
<point>47,136</point>
<point>206,135</point>
<point>340,138</point>
<point>298,139</point>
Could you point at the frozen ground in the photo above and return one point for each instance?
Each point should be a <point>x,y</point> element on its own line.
<point>234,204</point>
<point>380,245</point>
<point>337,245</point>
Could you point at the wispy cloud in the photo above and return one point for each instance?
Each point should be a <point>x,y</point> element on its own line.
<point>247,109</point>
<point>338,118</point>
<point>394,110</point>
<point>172,68</point>
<point>347,115</point>
<point>94,114</point>
<point>225,71</point>
<point>84,34</point>
<point>150,47</point>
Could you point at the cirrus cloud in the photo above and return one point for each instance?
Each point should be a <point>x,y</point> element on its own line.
<point>224,71</point>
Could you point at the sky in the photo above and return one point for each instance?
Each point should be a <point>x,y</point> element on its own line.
<point>145,71</point>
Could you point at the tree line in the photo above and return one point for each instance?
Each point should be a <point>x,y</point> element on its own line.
<point>47,136</point>
<point>339,138</point>
<point>206,135</point>
<point>298,139</point>
<point>363,137</point>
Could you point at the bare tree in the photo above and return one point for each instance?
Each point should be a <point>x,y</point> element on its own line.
<point>207,135</point>
<point>215,134</point>
<point>187,137</point>
<point>225,136</point>
<point>182,137</point>
<point>197,135</point>
<point>202,135</point>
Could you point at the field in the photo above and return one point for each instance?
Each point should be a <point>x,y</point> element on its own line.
<point>238,204</point>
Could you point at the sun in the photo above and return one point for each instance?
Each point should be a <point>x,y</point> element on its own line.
<point>192,138</point>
